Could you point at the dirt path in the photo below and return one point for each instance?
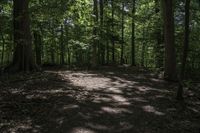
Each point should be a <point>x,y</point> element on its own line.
<point>95,102</point>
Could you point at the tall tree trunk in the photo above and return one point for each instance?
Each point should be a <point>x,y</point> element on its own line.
<point>23,55</point>
<point>107,26</point>
<point>67,44</point>
<point>113,40</point>
<point>133,35</point>
<point>158,47</point>
<point>62,47</point>
<point>52,43</point>
<point>170,56</point>
<point>94,62</point>
<point>143,48</point>
<point>122,41</point>
<point>102,46</point>
<point>3,49</point>
<point>185,50</point>
<point>38,45</point>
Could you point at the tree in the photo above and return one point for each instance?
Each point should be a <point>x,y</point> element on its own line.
<point>102,46</point>
<point>62,47</point>
<point>170,56</point>
<point>158,34</point>
<point>95,42</point>
<point>113,39</point>
<point>133,34</point>
<point>122,36</point>
<point>23,59</point>
<point>185,49</point>
<point>38,46</point>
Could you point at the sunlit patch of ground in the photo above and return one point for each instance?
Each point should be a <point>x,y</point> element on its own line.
<point>94,102</point>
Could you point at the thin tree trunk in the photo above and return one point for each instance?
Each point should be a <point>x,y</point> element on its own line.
<point>113,40</point>
<point>38,44</point>
<point>67,44</point>
<point>122,41</point>
<point>52,51</point>
<point>3,49</point>
<point>143,49</point>
<point>133,35</point>
<point>62,47</point>
<point>94,48</point>
<point>185,50</point>
<point>158,47</point>
<point>102,46</point>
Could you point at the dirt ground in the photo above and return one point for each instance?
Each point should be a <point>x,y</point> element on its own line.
<point>104,101</point>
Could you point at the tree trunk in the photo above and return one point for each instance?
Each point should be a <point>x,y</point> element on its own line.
<point>3,49</point>
<point>38,45</point>
<point>113,40</point>
<point>158,47</point>
<point>170,57</point>
<point>62,47</point>
<point>185,50</point>
<point>67,44</point>
<point>143,48</point>
<point>95,42</point>
<point>133,35</point>
<point>122,41</point>
<point>102,46</point>
<point>23,55</point>
<point>53,43</point>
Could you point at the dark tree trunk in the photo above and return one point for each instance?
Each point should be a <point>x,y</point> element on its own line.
<point>53,43</point>
<point>38,45</point>
<point>185,50</point>
<point>122,41</point>
<point>102,46</point>
<point>170,57</point>
<point>62,47</point>
<point>143,49</point>
<point>133,35</point>
<point>23,55</point>
<point>159,55</point>
<point>67,44</point>
<point>3,49</point>
<point>94,62</point>
<point>113,40</point>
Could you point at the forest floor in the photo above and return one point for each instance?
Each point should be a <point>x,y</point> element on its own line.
<point>110,100</point>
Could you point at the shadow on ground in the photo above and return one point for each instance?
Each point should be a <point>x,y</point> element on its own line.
<point>107,101</point>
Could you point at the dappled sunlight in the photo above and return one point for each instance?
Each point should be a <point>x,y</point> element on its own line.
<point>114,110</point>
<point>70,106</point>
<point>89,102</point>
<point>88,81</point>
<point>114,90</point>
<point>146,89</point>
<point>81,130</point>
<point>151,109</point>
<point>98,126</point>
<point>139,99</point>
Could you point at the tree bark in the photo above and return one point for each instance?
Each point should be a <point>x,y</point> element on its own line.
<point>185,50</point>
<point>133,35</point>
<point>38,45</point>
<point>102,46</point>
<point>3,49</point>
<point>23,59</point>
<point>113,40</point>
<point>159,55</point>
<point>170,56</point>
<point>95,43</point>
<point>122,36</point>
<point>62,47</point>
